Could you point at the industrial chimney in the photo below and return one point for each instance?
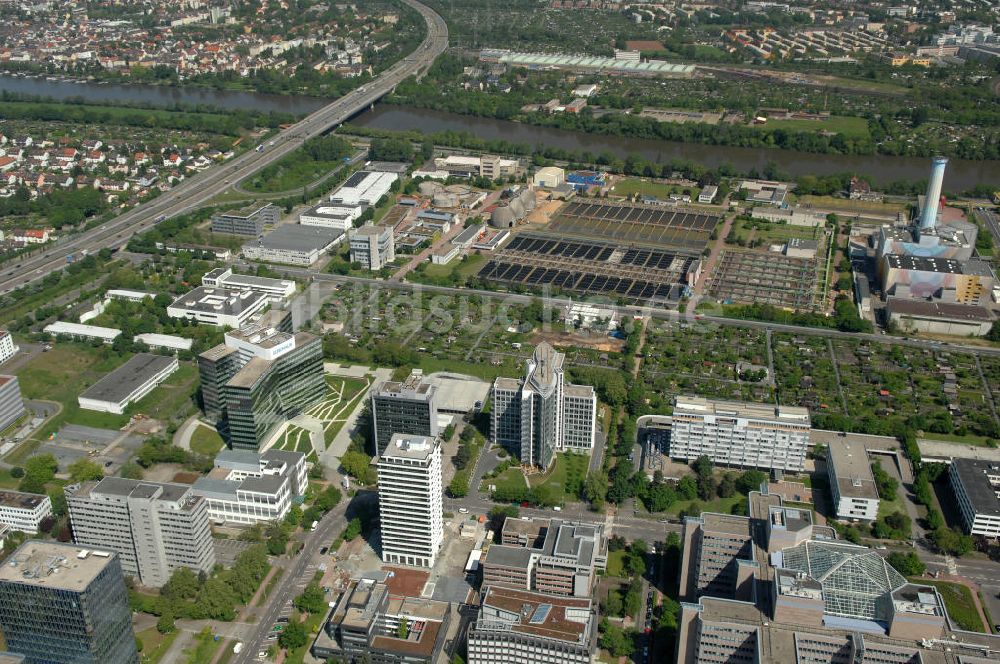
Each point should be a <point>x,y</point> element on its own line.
<point>932,200</point>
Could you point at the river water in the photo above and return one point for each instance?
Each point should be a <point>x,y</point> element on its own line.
<point>961,174</point>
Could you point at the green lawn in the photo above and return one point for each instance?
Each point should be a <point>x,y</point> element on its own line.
<point>206,440</point>
<point>850,127</point>
<point>173,397</point>
<point>204,648</point>
<point>512,478</point>
<point>155,645</point>
<point>720,505</point>
<point>959,603</point>
<point>632,186</point>
<point>466,267</point>
<point>616,564</point>
<point>566,465</point>
<point>351,391</point>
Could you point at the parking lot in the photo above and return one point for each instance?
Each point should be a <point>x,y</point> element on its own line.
<point>75,442</point>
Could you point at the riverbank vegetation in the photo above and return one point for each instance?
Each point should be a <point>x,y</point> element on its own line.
<point>933,121</point>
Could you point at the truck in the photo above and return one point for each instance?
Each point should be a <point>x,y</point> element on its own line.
<point>238,648</point>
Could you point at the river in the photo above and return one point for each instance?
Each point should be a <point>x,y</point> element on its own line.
<point>961,174</point>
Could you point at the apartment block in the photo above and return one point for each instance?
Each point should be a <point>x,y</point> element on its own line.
<point>407,407</point>
<point>261,375</point>
<point>24,511</point>
<point>515,627</point>
<point>552,557</point>
<point>365,623</point>
<point>537,416</point>
<point>246,487</point>
<point>851,481</point>
<point>60,604</point>
<point>976,484</point>
<point>740,434</point>
<point>154,528</point>
<point>410,500</point>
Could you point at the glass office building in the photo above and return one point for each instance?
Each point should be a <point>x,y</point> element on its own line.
<point>63,604</point>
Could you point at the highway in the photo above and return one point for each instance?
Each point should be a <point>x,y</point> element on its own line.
<point>657,312</point>
<point>198,189</point>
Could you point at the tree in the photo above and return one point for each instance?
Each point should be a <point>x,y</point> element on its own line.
<point>312,599</point>
<point>165,624</point>
<point>403,630</point>
<point>907,564</point>
<point>727,485</point>
<point>277,539</point>
<point>132,471</point>
<point>595,488</point>
<point>294,635</point>
<point>329,498</point>
<point>38,470</point>
<point>884,482</point>
<point>702,466</point>
<point>183,584</point>
<point>631,603</point>
<point>688,487</point>
<point>84,470</point>
<point>750,481</point>
<point>615,640</point>
<point>353,529</point>
<point>58,498</point>
<point>613,607</point>
<point>294,516</point>
<point>459,486</point>
<point>355,464</point>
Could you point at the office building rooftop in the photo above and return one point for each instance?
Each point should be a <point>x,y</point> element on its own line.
<point>219,301</point>
<point>126,379</point>
<point>54,565</point>
<point>406,446</point>
<point>20,500</point>
<point>559,618</point>
<point>702,406</point>
<point>853,468</point>
<point>975,477</point>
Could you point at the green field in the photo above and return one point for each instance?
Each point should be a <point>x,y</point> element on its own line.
<point>511,478</point>
<point>172,398</point>
<point>466,268</point>
<point>847,205</point>
<point>719,505</point>
<point>959,603</point>
<point>155,645</point>
<point>340,402</point>
<point>206,440</point>
<point>633,186</point>
<point>850,127</point>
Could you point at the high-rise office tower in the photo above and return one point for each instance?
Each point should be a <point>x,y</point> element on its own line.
<point>410,500</point>
<point>404,407</point>
<point>155,528</point>
<point>60,604</point>
<point>542,413</point>
<point>261,376</point>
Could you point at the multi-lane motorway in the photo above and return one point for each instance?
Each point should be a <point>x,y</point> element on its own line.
<point>201,188</point>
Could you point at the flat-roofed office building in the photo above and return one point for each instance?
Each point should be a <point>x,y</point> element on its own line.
<point>60,604</point>
<point>410,500</point>
<point>128,383</point>
<point>155,528</point>
<point>541,414</point>
<point>747,435</point>
<point>24,511</point>
<point>976,484</point>
<point>407,406</point>
<point>852,482</point>
<point>249,221</point>
<point>517,627</point>
<point>11,401</point>
<point>260,377</point>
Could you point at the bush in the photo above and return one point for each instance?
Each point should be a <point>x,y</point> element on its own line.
<point>907,564</point>
<point>17,472</point>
